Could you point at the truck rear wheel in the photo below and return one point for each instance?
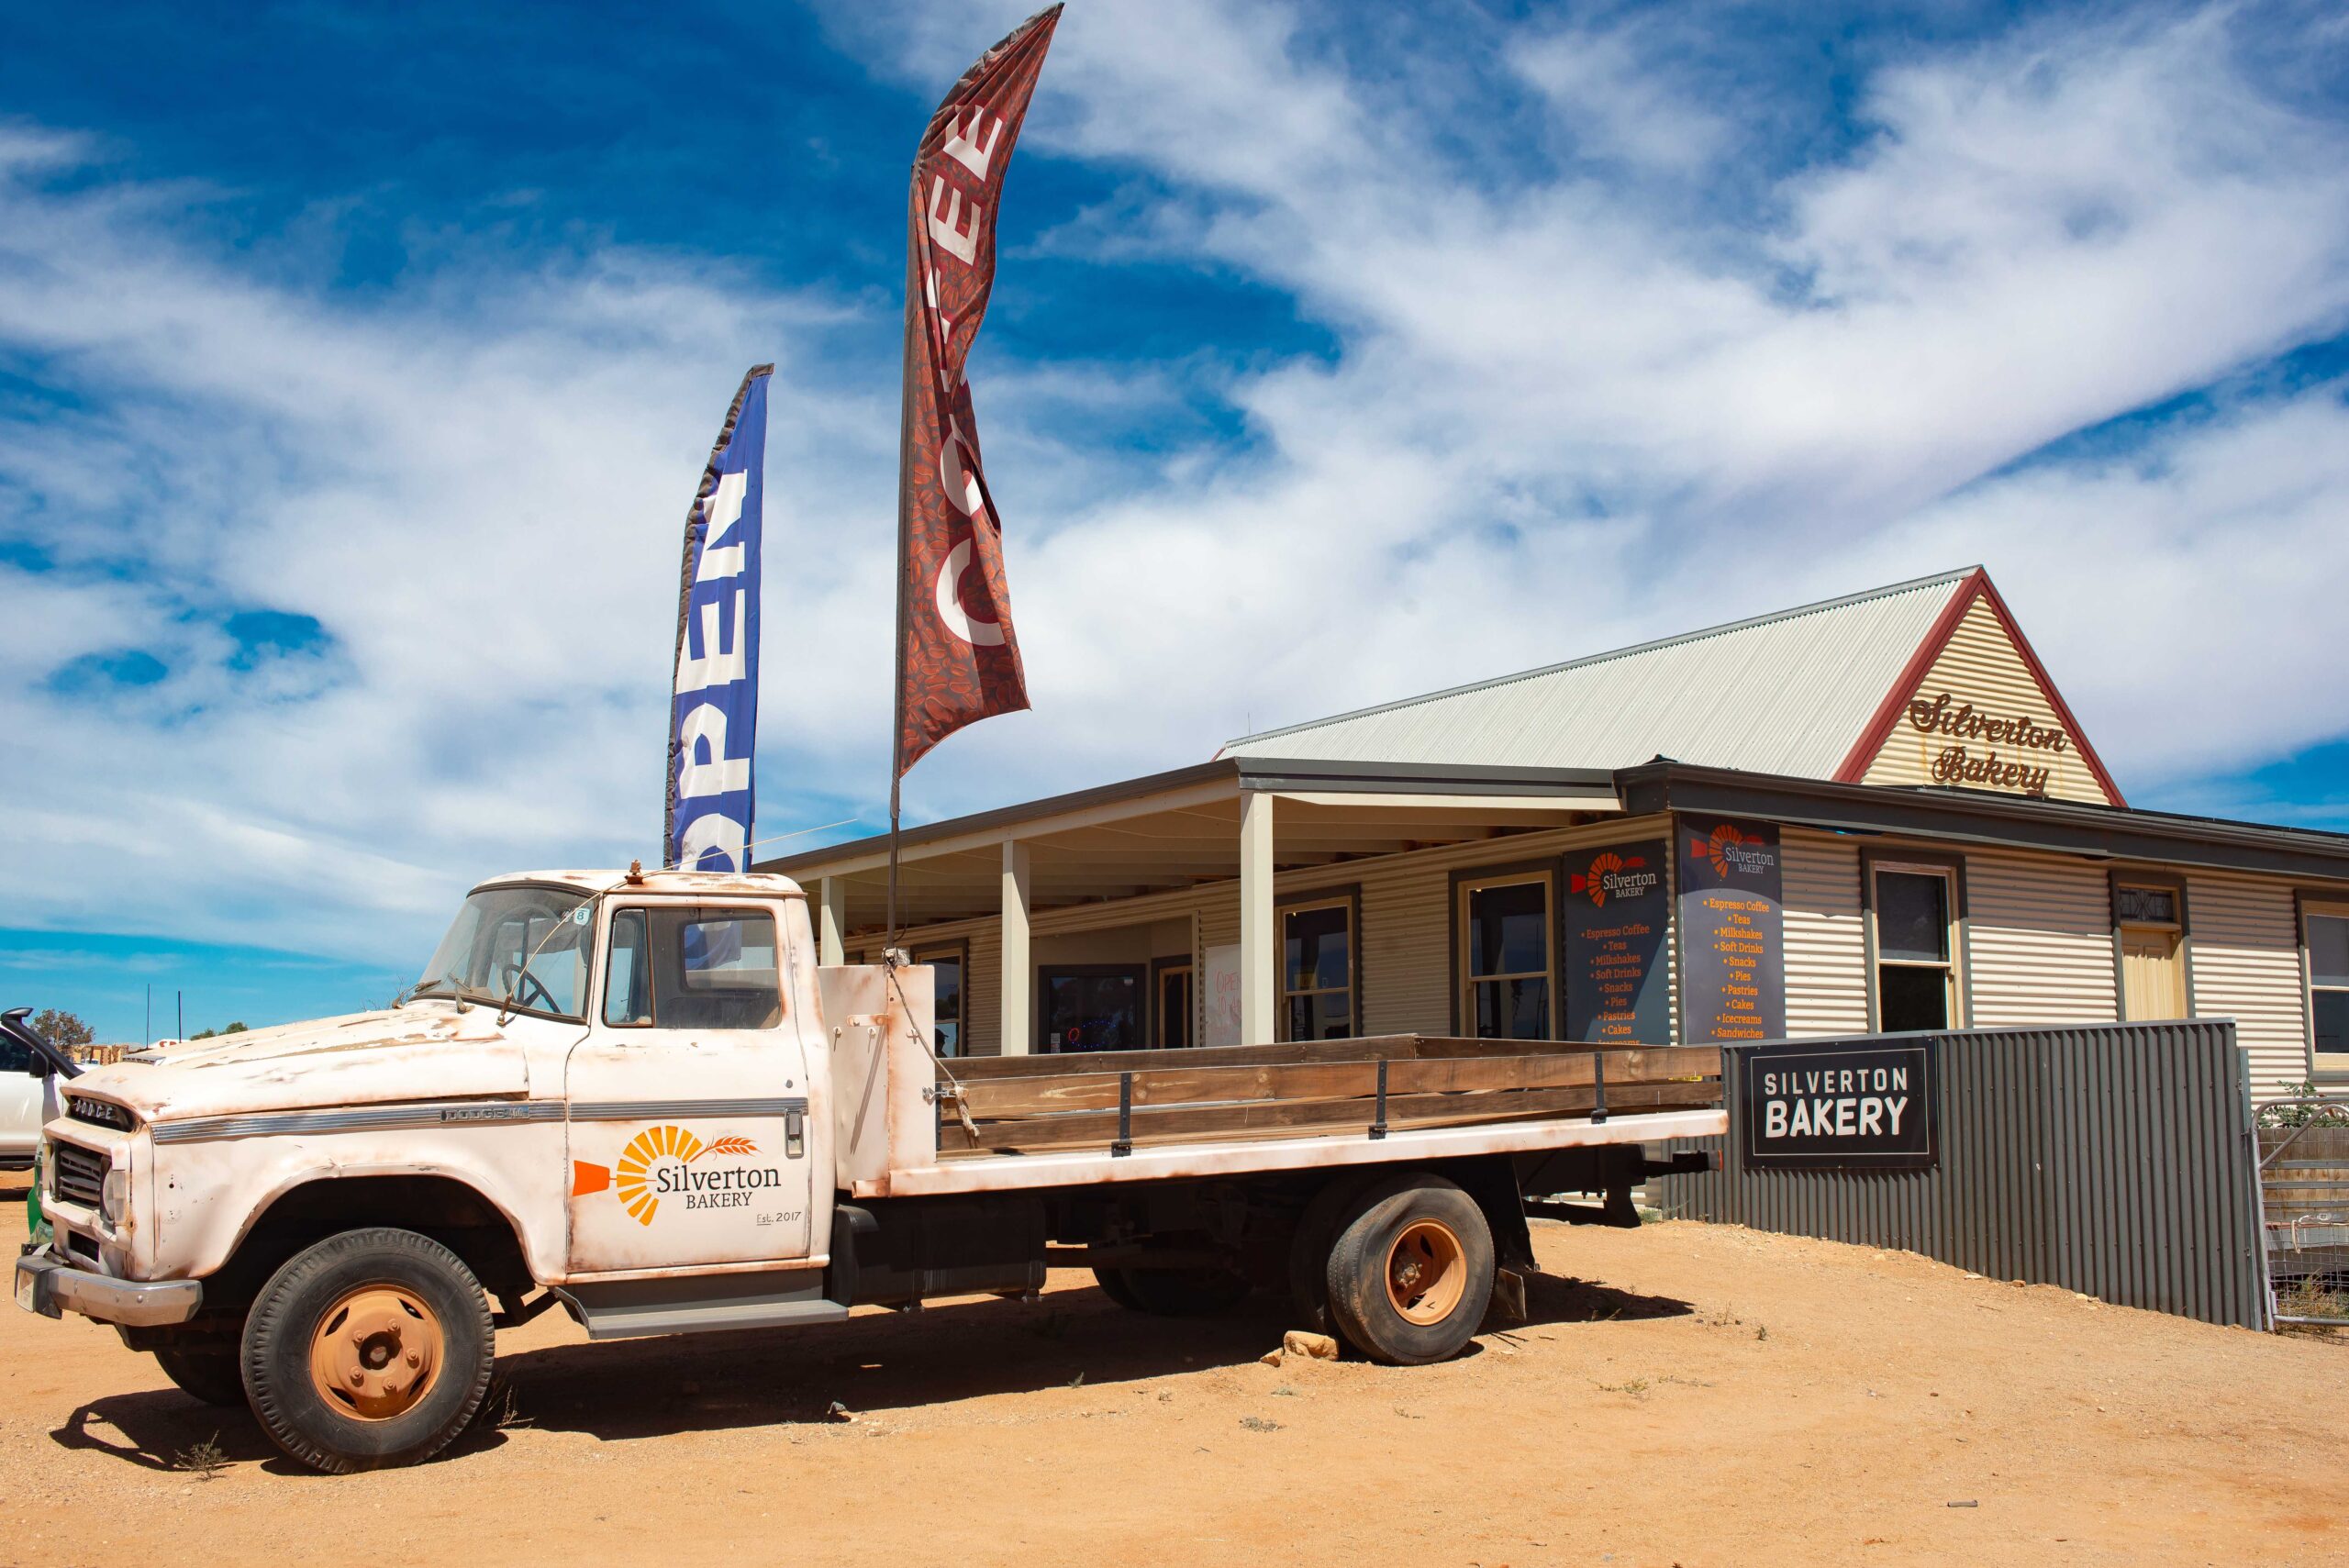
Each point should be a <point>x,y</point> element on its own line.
<point>370,1350</point>
<point>1411,1271</point>
<point>1113,1286</point>
<point>214,1377</point>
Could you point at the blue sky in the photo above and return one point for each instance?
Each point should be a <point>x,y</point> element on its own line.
<point>355,363</point>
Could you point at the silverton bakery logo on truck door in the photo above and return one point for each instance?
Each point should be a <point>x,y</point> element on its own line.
<point>665,1161</point>
<point>1861,1104</point>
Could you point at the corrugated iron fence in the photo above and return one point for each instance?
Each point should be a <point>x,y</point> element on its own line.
<point>2111,1159</point>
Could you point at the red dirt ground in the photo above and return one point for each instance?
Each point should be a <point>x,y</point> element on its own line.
<point>1683,1393</point>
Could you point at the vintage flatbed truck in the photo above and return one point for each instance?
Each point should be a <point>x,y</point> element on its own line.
<point>638,1096</point>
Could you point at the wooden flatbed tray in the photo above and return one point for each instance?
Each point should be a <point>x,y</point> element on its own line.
<point>1107,1098</point>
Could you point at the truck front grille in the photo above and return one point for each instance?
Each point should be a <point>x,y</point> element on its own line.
<point>76,1175</point>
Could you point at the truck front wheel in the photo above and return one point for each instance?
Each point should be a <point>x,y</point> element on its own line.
<point>370,1350</point>
<point>211,1376</point>
<point>1411,1271</point>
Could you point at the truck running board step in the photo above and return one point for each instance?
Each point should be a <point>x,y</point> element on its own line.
<point>619,1310</point>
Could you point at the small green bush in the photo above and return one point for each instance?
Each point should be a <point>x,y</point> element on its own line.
<point>2335,1113</point>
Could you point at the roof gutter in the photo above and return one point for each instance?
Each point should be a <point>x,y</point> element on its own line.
<point>2097,832</point>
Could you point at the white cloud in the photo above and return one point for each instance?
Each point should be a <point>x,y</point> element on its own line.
<point>1566,414</point>
<point>477,488</point>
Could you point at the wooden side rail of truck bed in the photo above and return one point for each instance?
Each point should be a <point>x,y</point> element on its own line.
<point>1119,1099</point>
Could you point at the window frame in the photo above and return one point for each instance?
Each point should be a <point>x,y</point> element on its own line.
<point>1159,969</point>
<point>614,909</point>
<point>1463,881</point>
<point>2119,877</point>
<point>1918,862</point>
<point>612,913</point>
<point>959,950</point>
<point>2328,906</point>
<point>1348,898</point>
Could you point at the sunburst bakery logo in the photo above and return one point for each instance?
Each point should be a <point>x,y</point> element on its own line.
<point>659,1163</point>
<point>1616,876</point>
<point>1730,851</point>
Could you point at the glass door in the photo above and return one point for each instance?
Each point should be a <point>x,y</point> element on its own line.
<point>1091,1006</point>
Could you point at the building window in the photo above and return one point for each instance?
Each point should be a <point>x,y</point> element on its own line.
<point>947,965</point>
<point>2149,936</point>
<point>1091,1006</point>
<point>1318,969</point>
<point>1170,982</point>
<point>1916,947</point>
<point>2326,933</point>
<point>1506,957</point>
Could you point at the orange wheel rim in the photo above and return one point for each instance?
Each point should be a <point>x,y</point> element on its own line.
<point>376,1353</point>
<point>1427,1272</point>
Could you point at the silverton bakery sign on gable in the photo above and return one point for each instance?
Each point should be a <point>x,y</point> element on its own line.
<point>1989,749</point>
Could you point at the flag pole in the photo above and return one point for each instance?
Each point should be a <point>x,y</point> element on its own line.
<point>905,556</point>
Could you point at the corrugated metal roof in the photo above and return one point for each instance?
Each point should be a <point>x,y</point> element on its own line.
<point>1784,693</point>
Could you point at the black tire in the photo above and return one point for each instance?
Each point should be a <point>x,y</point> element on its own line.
<point>1412,1232</point>
<point>1182,1293</point>
<point>1113,1286</point>
<point>1308,1253</point>
<point>429,1284</point>
<point>214,1377</point>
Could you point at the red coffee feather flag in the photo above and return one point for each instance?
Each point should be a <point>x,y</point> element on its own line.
<point>958,659</point>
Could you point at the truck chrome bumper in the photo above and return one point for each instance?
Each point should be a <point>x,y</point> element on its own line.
<point>47,1286</point>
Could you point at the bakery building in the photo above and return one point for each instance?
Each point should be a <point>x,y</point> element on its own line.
<point>1871,813</point>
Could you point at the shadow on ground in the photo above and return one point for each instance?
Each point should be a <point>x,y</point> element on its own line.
<point>874,1364</point>
<point>163,1429</point>
<point>1550,1299</point>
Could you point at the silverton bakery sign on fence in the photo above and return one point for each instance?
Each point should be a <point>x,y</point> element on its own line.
<point>2012,754</point>
<point>1850,1105</point>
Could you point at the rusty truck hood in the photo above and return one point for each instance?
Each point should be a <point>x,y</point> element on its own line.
<point>426,1051</point>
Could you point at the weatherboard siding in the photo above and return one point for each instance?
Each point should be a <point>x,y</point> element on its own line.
<point>2244,933</point>
<point>2039,940</point>
<point>1826,943</point>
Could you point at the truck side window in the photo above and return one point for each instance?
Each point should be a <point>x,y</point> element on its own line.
<point>627,992</point>
<point>693,969</point>
<point>715,969</point>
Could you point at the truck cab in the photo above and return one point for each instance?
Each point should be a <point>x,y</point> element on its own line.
<point>599,1079</point>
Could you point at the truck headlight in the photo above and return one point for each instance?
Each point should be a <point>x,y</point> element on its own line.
<point>114,1197</point>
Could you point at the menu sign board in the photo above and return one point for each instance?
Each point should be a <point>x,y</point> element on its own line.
<point>1615,924</point>
<point>1732,933</point>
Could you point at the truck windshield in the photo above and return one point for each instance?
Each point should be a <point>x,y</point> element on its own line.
<point>522,947</point>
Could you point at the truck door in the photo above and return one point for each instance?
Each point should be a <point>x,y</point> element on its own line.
<point>686,1103</point>
<point>20,1103</point>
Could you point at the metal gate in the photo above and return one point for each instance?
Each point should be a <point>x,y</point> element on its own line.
<point>2115,1160</point>
<point>2304,1207</point>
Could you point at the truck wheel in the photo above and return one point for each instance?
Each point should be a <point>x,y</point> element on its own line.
<point>214,1377</point>
<point>1411,1270</point>
<point>372,1349</point>
<point>1113,1286</point>
<point>1180,1293</point>
<point>1308,1253</point>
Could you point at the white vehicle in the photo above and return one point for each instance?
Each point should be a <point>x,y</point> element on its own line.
<point>637,1095</point>
<point>21,1104</point>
